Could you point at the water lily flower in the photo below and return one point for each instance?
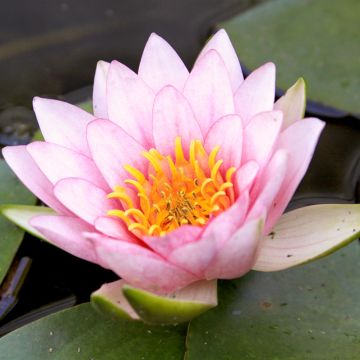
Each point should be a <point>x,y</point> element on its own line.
<point>178,177</point>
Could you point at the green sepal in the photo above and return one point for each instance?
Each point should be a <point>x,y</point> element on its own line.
<point>21,215</point>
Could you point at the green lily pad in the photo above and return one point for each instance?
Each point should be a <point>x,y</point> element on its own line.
<point>11,191</point>
<point>82,333</point>
<point>318,40</point>
<point>310,312</point>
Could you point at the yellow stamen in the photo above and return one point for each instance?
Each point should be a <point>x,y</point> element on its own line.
<point>178,191</point>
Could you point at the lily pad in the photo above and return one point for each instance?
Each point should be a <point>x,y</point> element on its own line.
<point>82,333</point>
<point>310,312</point>
<point>11,191</point>
<point>318,40</point>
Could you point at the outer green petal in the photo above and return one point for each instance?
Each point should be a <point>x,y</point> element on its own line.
<point>21,214</point>
<point>293,103</point>
<point>309,233</point>
<point>121,300</point>
<point>109,299</point>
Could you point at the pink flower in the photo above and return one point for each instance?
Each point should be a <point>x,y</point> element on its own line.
<point>177,176</point>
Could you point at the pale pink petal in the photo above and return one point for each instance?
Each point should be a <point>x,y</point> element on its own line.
<point>141,267</point>
<point>84,199</point>
<point>227,133</point>
<point>67,234</point>
<point>111,149</point>
<point>260,137</point>
<point>268,185</point>
<point>195,256</point>
<point>114,228</point>
<point>299,140</point>
<point>58,162</point>
<point>245,177</point>
<point>164,245</point>
<point>222,44</point>
<point>130,103</point>
<point>172,117</point>
<point>62,123</point>
<point>225,224</point>
<point>256,93</point>
<point>208,90</point>
<point>238,254</point>
<point>160,65</point>
<point>25,168</point>
<point>99,91</point>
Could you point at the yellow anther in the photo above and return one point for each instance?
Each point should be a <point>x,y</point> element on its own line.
<point>203,188</point>
<point>120,214</point>
<point>136,185</point>
<point>138,175</point>
<point>225,186</point>
<point>153,161</point>
<point>137,226</point>
<point>154,228</point>
<point>212,156</point>
<point>215,169</point>
<point>137,214</point>
<point>176,191</point>
<point>229,173</point>
<point>179,153</point>
<point>216,196</point>
<point>199,148</point>
<point>123,196</point>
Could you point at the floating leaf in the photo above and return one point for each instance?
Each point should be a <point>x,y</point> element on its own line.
<point>82,333</point>
<point>318,40</point>
<point>308,312</point>
<point>11,191</point>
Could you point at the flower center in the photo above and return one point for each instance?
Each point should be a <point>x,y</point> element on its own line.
<point>175,191</point>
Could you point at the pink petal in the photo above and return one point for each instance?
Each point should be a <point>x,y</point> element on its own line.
<point>208,90</point>
<point>194,256</point>
<point>256,93</point>
<point>164,245</point>
<point>114,228</point>
<point>222,44</point>
<point>111,149</point>
<point>225,224</point>
<point>58,162</point>
<point>62,123</point>
<point>99,91</point>
<point>260,137</point>
<point>160,65</point>
<point>268,185</point>
<point>130,103</point>
<point>66,233</point>
<point>172,117</point>
<point>227,133</point>
<point>238,254</point>
<point>141,267</point>
<point>84,199</point>
<point>299,140</point>
<point>245,177</point>
<point>32,177</point>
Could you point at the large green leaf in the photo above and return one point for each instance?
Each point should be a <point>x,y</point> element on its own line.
<point>82,333</point>
<point>11,191</point>
<point>310,312</point>
<point>318,40</point>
